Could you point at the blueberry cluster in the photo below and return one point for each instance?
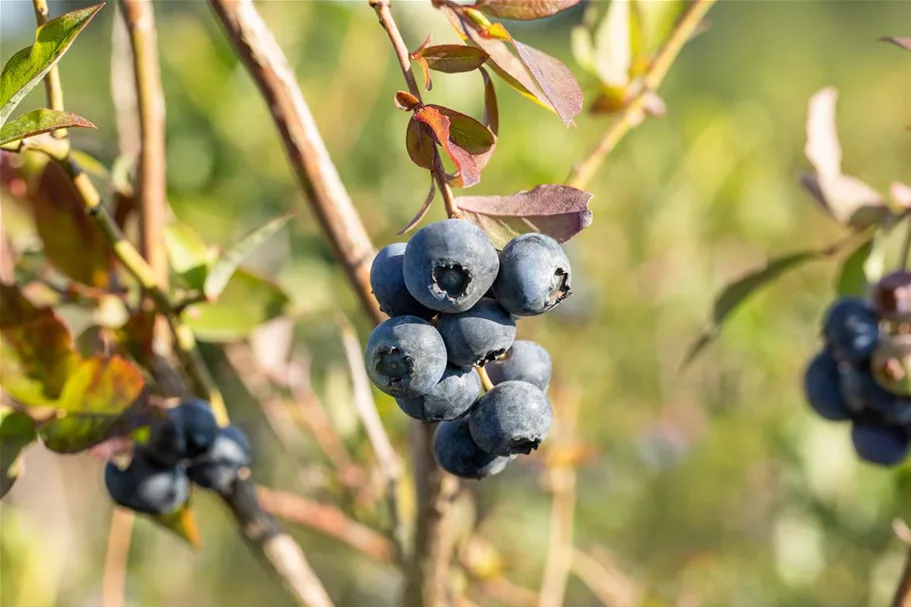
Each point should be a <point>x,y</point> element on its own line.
<point>185,446</point>
<point>863,374</point>
<point>453,302</point>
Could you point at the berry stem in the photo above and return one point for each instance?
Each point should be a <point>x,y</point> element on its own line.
<point>485,379</point>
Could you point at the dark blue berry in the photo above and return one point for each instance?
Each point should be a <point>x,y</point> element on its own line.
<point>451,398</point>
<point>449,265</point>
<point>218,468</point>
<point>822,388</point>
<point>184,432</point>
<point>851,329</point>
<point>388,284</point>
<point>534,275</point>
<point>479,335</point>
<point>405,357</point>
<point>512,418</point>
<point>881,445</point>
<point>457,453</point>
<point>524,361</point>
<point>146,487</point>
<point>861,392</point>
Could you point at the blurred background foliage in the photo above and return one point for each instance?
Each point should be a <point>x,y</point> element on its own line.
<point>715,486</point>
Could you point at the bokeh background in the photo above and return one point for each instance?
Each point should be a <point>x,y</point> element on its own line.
<point>714,486</point>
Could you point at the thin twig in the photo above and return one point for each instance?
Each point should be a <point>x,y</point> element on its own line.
<point>52,79</point>
<point>401,52</point>
<point>114,581</point>
<point>583,171</point>
<point>316,174</point>
<point>389,464</point>
<point>612,587</point>
<point>903,592</point>
<point>328,520</point>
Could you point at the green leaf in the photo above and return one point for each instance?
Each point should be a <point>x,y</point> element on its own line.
<point>452,58</point>
<point>221,272</point>
<point>40,121</point>
<point>469,174</point>
<point>36,350</point>
<point>613,53</point>
<point>17,430</point>
<point>102,398</point>
<point>246,302</point>
<point>524,9</point>
<point>189,255</point>
<point>466,132</point>
<point>182,522</point>
<point>26,68</point>
<point>852,279</point>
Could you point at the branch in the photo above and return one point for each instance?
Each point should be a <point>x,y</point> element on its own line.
<point>52,79</point>
<point>115,564</point>
<point>316,174</point>
<point>583,172</point>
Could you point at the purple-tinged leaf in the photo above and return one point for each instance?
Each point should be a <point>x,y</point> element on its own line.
<point>524,9</point>
<point>406,101</point>
<point>452,58</point>
<point>491,109</point>
<point>40,121</point>
<point>822,148</point>
<point>559,211</point>
<point>466,132</point>
<point>422,211</point>
<point>900,42</point>
<point>419,143</point>
<point>848,200</point>
<point>469,174</point>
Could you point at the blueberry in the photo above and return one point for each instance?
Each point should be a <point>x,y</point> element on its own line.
<point>512,418</point>
<point>822,388</point>
<point>852,329</point>
<point>218,468</point>
<point>388,284</point>
<point>185,432</point>
<point>449,265</point>
<point>452,397</point>
<point>146,487</point>
<point>479,335</point>
<point>881,445</point>
<point>892,295</point>
<point>524,361</point>
<point>457,453</point>
<point>861,392</point>
<point>405,357</point>
<point>534,275</point>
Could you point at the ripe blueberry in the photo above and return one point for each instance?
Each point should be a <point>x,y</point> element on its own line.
<point>457,453</point>
<point>146,487</point>
<point>388,284</point>
<point>405,357</point>
<point>534,275</point>
<point>821,384</point>
<point>880,444</point>
<point>512,418</point>
<point>524,361</point>
<point>861,392</point>
<point>185,432</point>
<point>851,329</point>
<point>452,397</point>
<point>449,265</point>
<point>218,467</point>
<point>479,335</point>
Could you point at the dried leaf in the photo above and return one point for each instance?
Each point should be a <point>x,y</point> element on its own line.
<point>466,132</point>
<point>36,350</point>
<point>524,9</point>
<point>102,398</point>
<point>904,43</point>
<point>40,121</point>
<point>406,101</point>
<point>439,124</point>
<point>17,431</point>
<point>225,266</point>
<point>556,210</point>
<point>452,58</point>
<point>419,143</point>
<point>422,211</point>
<point>822,148</point>
<point>849,200</point>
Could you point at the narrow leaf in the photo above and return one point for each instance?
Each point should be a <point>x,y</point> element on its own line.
<point>613,54</point>
<point>17,431</point>
<point>38,122</point>
<point>452,58</point>
<point>491,110</point>
<point>852,278</point>
<point>27,67</point>
<point>524,9</point>
<point>556,210</point>
<point>422,211</point>
<point>221,272</point>
<point>419,143</point>
<point>439,124</point>
<point>904,43</point>
<point>466,132</point>
<point>822,148</point>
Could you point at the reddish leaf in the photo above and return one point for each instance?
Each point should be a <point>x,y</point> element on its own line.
<point>136,335</point>
<point>422,211</point>
<point>524,9</point>
<point>102,398</point>
<point>848,200</point>
<point>556,210</point>
<point>468,171</point>
<point>71,242</point>
<point>491,110</point>
<point>406,101</point>
<point>419,143</point>
<point>452,58</point>
<point>555,79</point>
<point>36,350</point>
<point>466,132</point>
<point>904,43</point>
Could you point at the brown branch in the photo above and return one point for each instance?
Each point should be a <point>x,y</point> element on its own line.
<point>52,85</point>
<point>316,174</point>
<point>113,585</point>
<point>583,171</point>
<point>328,520</point>
<point>612,587</point>
<point>903,592</point>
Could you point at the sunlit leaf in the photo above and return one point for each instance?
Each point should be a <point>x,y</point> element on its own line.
<point>900,194</point>
<point>183,523</point>
<point>189,256</point>
<point>468,170</point>
<point>225,266</point>
<point>247,301</point>
<point>452,58</point>
<point>419,143</point>
<point>466,132</point>
<point>556,210</point>
<point>651,25</point>
<point>524,9</point>
<point>613,54</point>
<point>36,350</point>
<point>40,121</point>
<point>17,431</point>
<point>406,101</point>
<point>849,200</point>
<point>556,81</point>
<point>26,68</point>
<point>900,42</point>
<point>822,148</point>
<point>852,278</point>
